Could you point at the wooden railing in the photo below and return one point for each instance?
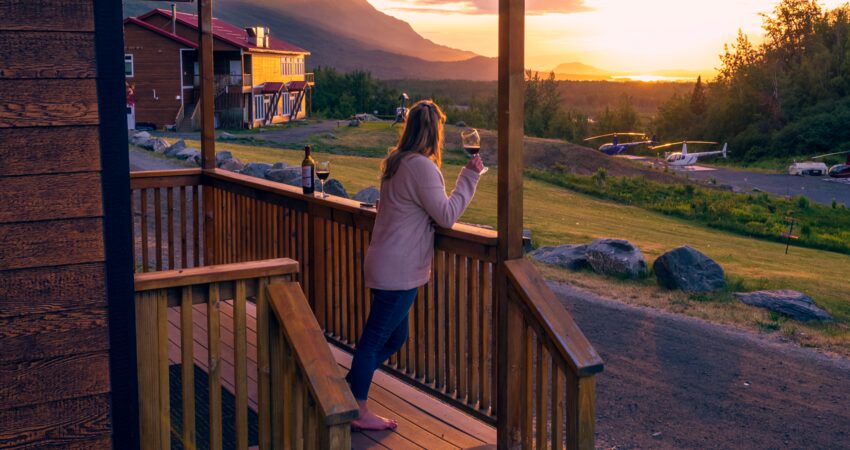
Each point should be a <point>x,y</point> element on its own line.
<point>312,406</point>
<point>453,325</point>
<point>167,219</point>
<point>551,362</point>
<point>168,300</point>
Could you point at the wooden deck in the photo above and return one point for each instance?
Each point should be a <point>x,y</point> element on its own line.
<point>424,422</point>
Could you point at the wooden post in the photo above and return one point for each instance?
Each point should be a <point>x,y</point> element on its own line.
<point>207,105</point>
<point>510,210</point>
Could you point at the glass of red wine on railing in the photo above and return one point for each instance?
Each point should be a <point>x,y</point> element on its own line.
<point>471,141</point>
<point>323,171</point>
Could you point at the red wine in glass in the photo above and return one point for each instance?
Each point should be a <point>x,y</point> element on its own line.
<point>472,150</point>
<point>323,174</point>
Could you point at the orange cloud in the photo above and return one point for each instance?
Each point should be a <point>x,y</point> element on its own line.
<point>490,6</point>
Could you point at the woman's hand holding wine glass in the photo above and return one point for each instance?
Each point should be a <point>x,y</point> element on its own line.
<point>476,164</point>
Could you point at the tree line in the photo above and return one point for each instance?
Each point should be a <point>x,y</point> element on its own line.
<point>785,97</point>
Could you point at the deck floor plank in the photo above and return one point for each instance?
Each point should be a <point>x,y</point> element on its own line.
<point>424,422</point>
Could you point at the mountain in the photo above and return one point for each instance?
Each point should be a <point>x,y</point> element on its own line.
<point>347,35</point>
<point>577,68</point>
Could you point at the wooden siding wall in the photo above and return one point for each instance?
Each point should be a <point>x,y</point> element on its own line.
<point>160,21</point>
<point>156,61</point>
<point>54,360</point>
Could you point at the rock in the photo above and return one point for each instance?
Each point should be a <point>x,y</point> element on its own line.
<point>226,136</point>
<point>335,187</point>
<point>289,175</point>
<point>175,148</point>
<point>160,145</point>
<point>233,165</point>
<point>368,195</point>
<point>354,123</point>
<point>330,136</point>
<point>689,270</point>
<point>280,165</point>
<point>571,257</point>
<point>793,304</point>
<point>461,124</point>
<point>256,169</point>
<point>222,157</point>
<point>140,137</point>
<point>189,153</point>
<point>616,257</point>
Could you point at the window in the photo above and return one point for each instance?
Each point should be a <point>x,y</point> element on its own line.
<point>267,104</point>
<point>286,66</point>
<point>259,111</point>
<point>286,105</point>
<point>128,66</point>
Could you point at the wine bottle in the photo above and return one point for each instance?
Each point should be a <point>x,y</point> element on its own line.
<point>308,171</point>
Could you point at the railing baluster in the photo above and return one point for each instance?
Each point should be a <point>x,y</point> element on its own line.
<point>184,259</point>
<point>462,329</point>
<point>350,276</point>
<point>489,335</point>
<point>151,348</point>
<point>527,386</point>
<point>558,423</point>
<point>440,306</point>
<point>542,389</point>
<point>421,343</point>
<point>169,192</point>
<point>264,330</point>
<point>214,361</point>
<point>240,344</point>
<point>157,215</point>
<point>187,367</point>
<point>144,227</point>
<point>451,315</point>
<point>311,428</point>
<point>196,225</point>
<point>297,408</point>
<point>474,334</point>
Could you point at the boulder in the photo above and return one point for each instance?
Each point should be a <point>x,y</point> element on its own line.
<point>256,169</point>
<point>689,270</point>
<point>368,195</point>
<point>221,157</point>
<point>191,154</point>
<point>280,165</point>
<point>233,165</point>
<point>289,175</point>
<point>566,256</point>
<point>354,123</point>
<point>140,137</point>
<point>330,136</point>
<point>159,145</point>
<point>175,148</point>
<point>616,257</point>
<point>461,124</point>
<point>226,136</point>
<point>335,187</point>
<point>793,304</point>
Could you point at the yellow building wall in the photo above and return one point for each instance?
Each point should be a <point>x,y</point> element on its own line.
<point>267,68</point>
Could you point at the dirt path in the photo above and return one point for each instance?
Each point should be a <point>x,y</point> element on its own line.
<point>145,160</point>
<point>679,382</point>
<point>290,135</point>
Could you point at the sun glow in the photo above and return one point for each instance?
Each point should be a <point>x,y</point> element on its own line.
<point>678,38</point>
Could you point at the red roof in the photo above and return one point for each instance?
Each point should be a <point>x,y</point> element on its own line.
<point>229,33</point>
<point>272,87</point>
<point>294,86</point>
<point>160,31</point>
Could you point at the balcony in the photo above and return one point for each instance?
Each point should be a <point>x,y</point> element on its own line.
<point>227,82</point>
<point>262,243</point>
<point>310,78</point>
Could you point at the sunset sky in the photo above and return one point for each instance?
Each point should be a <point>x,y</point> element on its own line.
<point>626,36</point>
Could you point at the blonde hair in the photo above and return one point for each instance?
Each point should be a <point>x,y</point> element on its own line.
<point>423,134</point>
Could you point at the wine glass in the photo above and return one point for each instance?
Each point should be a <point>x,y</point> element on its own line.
<point>323,171</point>
<point>471,141</point>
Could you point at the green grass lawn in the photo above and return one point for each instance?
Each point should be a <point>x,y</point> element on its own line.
<point>560,216</point>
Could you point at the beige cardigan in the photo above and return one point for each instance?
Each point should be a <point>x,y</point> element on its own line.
<point>402,248</point>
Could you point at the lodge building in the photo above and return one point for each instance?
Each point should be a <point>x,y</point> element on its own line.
<point>259,79</point>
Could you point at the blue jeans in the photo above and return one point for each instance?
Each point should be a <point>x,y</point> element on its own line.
<point>384,334</point>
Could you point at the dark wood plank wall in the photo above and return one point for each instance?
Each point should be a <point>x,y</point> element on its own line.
<point>157,71</point>
<point>54,341</point>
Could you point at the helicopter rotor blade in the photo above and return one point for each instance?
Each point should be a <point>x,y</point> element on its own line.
<point>615,134</point>
<point>830,154</point>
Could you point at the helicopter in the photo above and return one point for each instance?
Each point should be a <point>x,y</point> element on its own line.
<point>684,158</point>
<point>402,110</point>
<point>838,170</point>
<point>615,147</point>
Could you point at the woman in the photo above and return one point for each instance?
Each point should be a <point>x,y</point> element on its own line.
<point>398,262</point>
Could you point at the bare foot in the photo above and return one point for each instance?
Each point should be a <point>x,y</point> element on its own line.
<point>371,421</point>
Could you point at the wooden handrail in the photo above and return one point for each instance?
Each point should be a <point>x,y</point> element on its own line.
<point>459,231</point>
<point>163,173</point>
<point>214,274</point>
<point>164,178</point>
<point>307,342</point>
<point>558,324</point>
